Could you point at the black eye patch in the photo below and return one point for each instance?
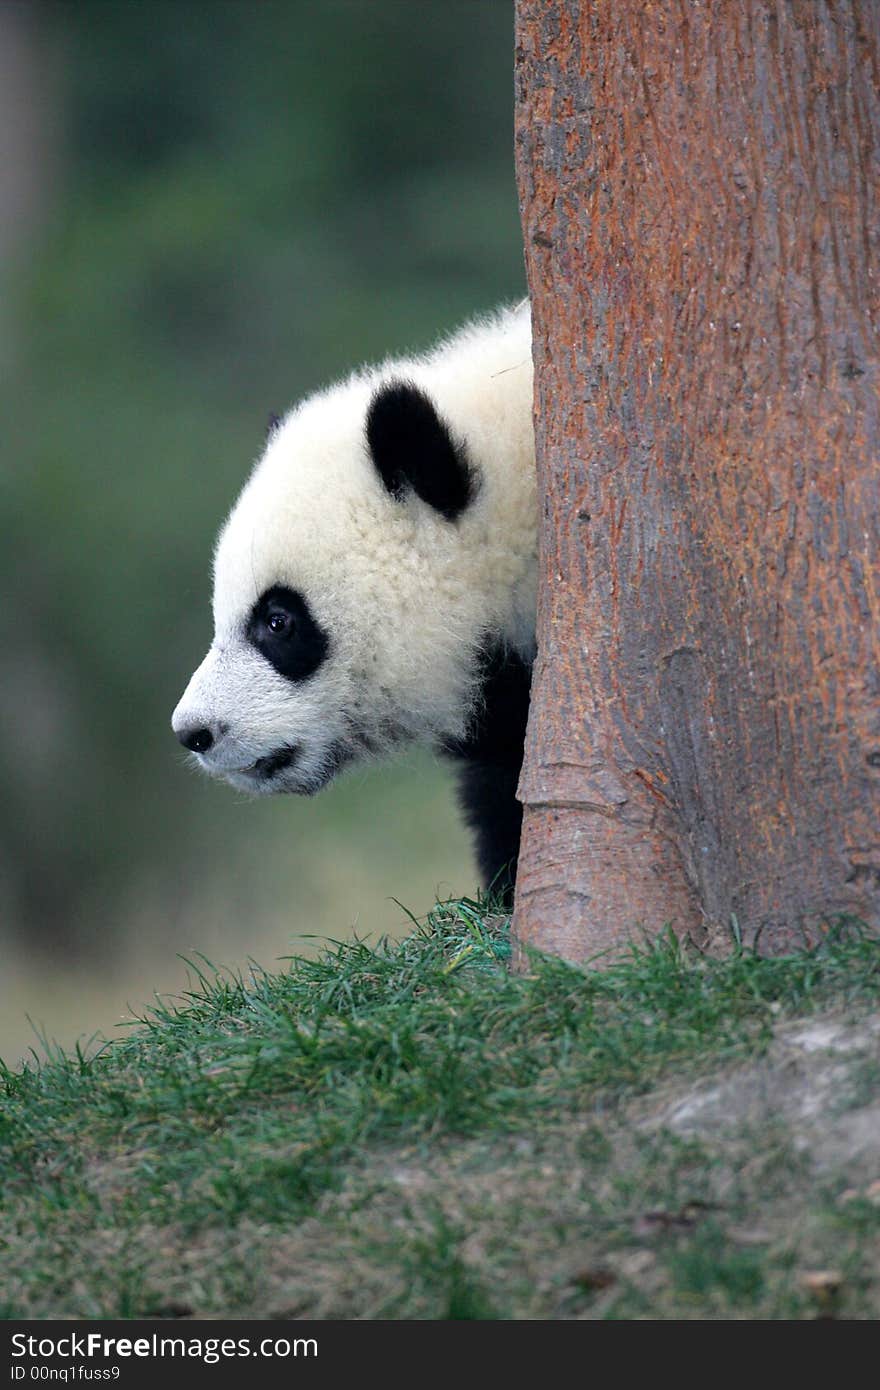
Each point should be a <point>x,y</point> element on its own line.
<point>282,629</point>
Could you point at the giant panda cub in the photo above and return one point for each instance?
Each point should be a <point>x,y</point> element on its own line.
<point>375,582</point>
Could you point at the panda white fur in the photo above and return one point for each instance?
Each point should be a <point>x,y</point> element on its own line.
<point>375,584</point>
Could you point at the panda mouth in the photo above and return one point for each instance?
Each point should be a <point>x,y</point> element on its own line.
<point>265,773</point>
<point>274,762</point>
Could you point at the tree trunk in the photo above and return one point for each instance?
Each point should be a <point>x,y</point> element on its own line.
<point>699,190</point>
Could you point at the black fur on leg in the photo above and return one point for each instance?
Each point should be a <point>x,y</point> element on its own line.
<point>488,798</point>
<point>490,758</point>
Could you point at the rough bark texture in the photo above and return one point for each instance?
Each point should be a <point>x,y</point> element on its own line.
<point>699,189</point>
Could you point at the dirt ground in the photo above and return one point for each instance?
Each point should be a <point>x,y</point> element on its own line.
<point>750,1192</point>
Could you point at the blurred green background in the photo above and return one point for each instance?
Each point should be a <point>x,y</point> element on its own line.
<point>206,210</point>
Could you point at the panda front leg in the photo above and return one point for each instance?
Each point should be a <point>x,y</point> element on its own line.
<point>489,760</point>
<point>487,794</point>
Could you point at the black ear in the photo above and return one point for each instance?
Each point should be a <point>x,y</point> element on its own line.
<point>272,425</point>
<point>413,448</point>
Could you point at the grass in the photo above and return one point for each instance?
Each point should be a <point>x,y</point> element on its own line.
<point>407,1130</point>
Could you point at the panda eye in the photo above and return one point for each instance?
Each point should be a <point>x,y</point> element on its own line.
<point>282,629</point>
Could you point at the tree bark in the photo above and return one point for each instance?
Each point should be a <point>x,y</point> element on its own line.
<point>699,194</point>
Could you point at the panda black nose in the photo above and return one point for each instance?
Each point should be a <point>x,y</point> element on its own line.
<point>196,740</point>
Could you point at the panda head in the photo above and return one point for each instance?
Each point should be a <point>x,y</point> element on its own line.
<point>348,611</point>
